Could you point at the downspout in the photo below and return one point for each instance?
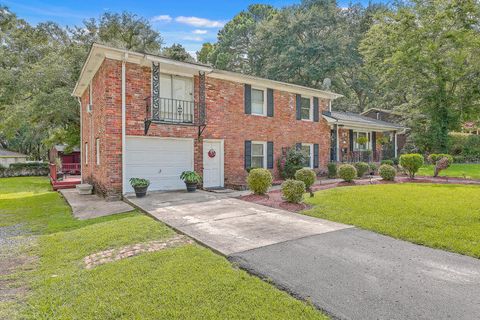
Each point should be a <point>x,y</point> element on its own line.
<point>123,121</point>
<point>81,141</point>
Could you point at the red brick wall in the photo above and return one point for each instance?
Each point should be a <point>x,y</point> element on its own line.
<point>225,120</point>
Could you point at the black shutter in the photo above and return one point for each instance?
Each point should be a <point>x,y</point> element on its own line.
<point>315,109</point>
<point>315,155</point>
<point>269,155</point>
<point>248,154</point>
<point>298,146</point>
<point>298,100</point>
<point>374,141</point>
<point>248,99</point>
<point>350,133</point>
<point>270,102</point>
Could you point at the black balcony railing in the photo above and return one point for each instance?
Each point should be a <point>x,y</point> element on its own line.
<point>174,111</point>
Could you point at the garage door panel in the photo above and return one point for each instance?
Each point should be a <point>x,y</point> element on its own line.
<point>159,160</point>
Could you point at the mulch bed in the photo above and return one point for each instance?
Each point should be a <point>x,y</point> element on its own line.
<point>274,198</point>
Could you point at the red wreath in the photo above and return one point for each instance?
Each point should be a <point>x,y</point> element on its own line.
<point>212,153</point>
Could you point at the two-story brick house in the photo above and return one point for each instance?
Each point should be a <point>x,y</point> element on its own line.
<point>151,117</point>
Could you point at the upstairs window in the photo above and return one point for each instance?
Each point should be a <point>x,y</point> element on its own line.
<point>306,108</point>
<point>258,102</point>
<point>176,98</point>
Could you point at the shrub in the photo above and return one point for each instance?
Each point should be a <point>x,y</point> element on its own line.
<point>362,168</point>
<point>294,160</point>
<point>411,163</point>
<point>441,164</point>
<point>293,190</point>
<point>373,168</point>
<point>29,165</point>
<point>389,162</point>
<point>387,172</point>
<point>466,145</point>
<point>435,157</point>
<point>259,180</point>
<point>332,170</point>
<point>347,172</point>
<point>308,176</point>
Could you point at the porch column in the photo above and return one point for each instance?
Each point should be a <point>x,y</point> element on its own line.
<point>395,143</point>
<point>337,144</point>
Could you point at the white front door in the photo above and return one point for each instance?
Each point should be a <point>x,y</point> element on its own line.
<point>212,163</point>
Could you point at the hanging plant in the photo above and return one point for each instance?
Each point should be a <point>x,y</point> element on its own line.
<point>384,140</point>
<point>362,140</point>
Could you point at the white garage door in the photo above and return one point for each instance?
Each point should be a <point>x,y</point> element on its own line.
<point>160,160</point>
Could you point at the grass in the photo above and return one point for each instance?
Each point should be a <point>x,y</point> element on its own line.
<point>439,216</point>
<point>187,282</point>
<point>459,170</point>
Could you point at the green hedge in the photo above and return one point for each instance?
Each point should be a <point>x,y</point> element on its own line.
<point>32,165</point>
<point>464,147</point>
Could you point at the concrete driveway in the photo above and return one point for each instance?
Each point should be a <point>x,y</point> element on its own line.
<point>229,225</point>
<point>348,272</point>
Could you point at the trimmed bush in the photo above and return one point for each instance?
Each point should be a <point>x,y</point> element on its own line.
<point>332,170</point>
<point>373,168</point>
<point>362,168</point>
<point>389,162</point>
<point>347,172</point>
<point>259,180</point>
<point>294,160</point>
<point>411,163</point>
<point>29,165</point>
<point>293,190</point>
<point>387,172</point>
<point>435,157</point>
<point>308,176</point>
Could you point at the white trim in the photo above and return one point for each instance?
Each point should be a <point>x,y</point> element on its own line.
<point>86,153</point>
<point>264,143</point>
<point>97,151</point>
<point>123,123</point>
<point>81,139</point>
<point>222,159</point>
<point>311,154</point>
<point>396,144</point>
<point>337,141</point>
<point>264,111</point>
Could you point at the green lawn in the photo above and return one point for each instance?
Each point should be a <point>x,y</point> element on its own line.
<point>187,282</point>
<point>438,216</point>
<point>468,171</point>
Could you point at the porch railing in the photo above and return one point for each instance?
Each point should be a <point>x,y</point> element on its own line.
<point>366,155</point>
<point>71,167</point>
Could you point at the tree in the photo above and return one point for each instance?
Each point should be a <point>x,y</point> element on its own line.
<point>203,55</point>
<point>177,52</point>
<point>429,51</point>
<point>234,50</point>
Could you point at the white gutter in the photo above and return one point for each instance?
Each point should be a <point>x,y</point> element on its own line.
<point>81,141</point>
<point>123,121</point>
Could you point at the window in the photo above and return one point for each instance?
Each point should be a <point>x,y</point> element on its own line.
<point>258,155</point>
<point>361,141</point>
<point>308,150</point>
<point>258,102</point>
<point>97,150</point>
<point>86,153</point>
<point>306,108</point>
<point>176,98</point>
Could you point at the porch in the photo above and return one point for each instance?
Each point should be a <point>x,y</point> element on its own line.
<point>356,138</point>
<point>66,180</point>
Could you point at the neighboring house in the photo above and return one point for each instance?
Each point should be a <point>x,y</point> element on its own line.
<point>70,160</point>
<point>151,117</point>
<point>392,117</point>
<point>471,127</point>
<point>8,157</point>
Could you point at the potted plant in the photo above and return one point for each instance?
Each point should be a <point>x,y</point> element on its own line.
<point>191,179</point>
<point>140,186</point>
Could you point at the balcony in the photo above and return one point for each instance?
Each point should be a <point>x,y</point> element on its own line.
<point>172,111</point>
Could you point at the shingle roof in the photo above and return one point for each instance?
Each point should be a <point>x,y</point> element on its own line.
<point>8,153</point>
<point>361,120</point>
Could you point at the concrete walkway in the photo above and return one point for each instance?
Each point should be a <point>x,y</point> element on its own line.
<point>348,272</point>
<point>229,225</point>
<point>92,206</point>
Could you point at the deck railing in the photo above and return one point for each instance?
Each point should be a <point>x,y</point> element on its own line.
<point>71,168</point>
